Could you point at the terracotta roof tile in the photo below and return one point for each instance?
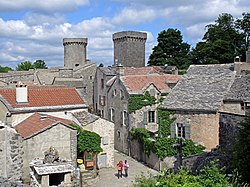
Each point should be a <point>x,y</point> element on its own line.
<point>137,83</point>
<point>37,123</point>
<point>142,70</point>
<point>44,96</point>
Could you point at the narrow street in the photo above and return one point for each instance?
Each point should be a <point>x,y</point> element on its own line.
<point>108,176</point>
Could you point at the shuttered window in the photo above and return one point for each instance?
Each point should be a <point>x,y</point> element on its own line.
<point>151,116</point>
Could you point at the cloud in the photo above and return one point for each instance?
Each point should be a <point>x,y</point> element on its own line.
<point>45,6</point>
<point>39,32</point>
<point>134,16</point>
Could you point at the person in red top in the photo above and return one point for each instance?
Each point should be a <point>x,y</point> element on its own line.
<point>119,167</point>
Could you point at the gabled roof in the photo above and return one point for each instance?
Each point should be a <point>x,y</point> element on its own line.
<point>240,90</point>
<point>148,70</point>
<point>109,71</point>
<point>38,123</point>
<point>43,96</point>
<point>202,88</point>
<point>139,82</point>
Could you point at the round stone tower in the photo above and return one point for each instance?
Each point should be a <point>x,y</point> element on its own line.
<point>129,48</point>
<point>74,52</point>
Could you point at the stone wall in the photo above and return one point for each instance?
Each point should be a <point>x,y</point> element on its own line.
<point>60,137</point>
<point>232,107</point>
<point>229,124</point>
<point>87,74</point>
<point>11,154</point>
<point>204,127</point>
<point>106,130</point>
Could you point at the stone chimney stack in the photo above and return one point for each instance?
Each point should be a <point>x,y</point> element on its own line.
<point>119,69</point>
<point>21,93</point>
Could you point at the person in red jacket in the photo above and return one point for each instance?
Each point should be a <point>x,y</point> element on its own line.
<point>119,167</point>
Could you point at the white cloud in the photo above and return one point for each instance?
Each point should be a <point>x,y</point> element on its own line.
<point>42,6</point>
<point>134,16</point>
<point>39,33</point>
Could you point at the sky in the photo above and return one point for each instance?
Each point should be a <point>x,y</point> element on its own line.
<point>32,30</point>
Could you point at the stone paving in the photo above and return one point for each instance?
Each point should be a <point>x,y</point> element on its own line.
<point>108,177</point>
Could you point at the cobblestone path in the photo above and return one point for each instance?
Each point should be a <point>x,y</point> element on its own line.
<point>108,176</point>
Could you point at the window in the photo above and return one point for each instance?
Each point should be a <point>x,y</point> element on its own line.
<point>242,105</point>
<point>121,95</point>
<point>102,100</point>
<point>151,116</point>
<point>102,83</point>
<point>114,92</point>
<point>124,118</point>
<point>90,77</point>
<point>112,114</point>
<point>84,89</point>
<point>105,140</point>
<point>118,134</point>
<point>180,130</point>
<point>102,113</point>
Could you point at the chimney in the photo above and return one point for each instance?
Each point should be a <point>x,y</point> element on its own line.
<point>119,69</point>
<point>248,56</point>
<point>21,93</point>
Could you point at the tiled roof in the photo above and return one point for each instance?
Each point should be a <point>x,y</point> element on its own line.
<point>138,83</point>
<point>240,90</point>
<point>202,88</point>
<point>37,123</point>
<point>41,96</point>
<point>142,70</point>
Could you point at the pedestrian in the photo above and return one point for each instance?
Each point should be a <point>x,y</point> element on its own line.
<point>126,166</point>
<point>119,168</point>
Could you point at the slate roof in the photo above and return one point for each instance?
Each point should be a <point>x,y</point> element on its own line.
<point>138,83</point>
<point>37,123</point>
<point>43,96</point>
<point>108,70</point>
<point>85,117</point>
<point>240,90</point>
<point>202,88</point>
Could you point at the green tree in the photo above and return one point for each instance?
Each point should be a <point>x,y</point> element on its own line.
<point>24,66</point>
<point>39,64</point>
<point>243,24</point>
<point>170,50</point>
<point>221,43</point>
<point>242,150</point>
<point>5,69</point>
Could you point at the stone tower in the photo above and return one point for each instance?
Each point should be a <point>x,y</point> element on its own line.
<point>129,48</point>
<point>74,52</point>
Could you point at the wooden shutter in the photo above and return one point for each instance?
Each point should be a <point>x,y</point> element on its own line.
<point>145,118</point>
<point>173,130</point>
<point>109,114</point>
<point>187,131</point>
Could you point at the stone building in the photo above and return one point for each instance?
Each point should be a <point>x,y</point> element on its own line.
<point>41,114</point>
<point>129,48</point>
<point>114,85</point>
<point>197,100</point>
<point>77,72</point>
<point>105,129</point>
<point>40,132</point>
<point>11,159</point>
<point>236,107</point>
